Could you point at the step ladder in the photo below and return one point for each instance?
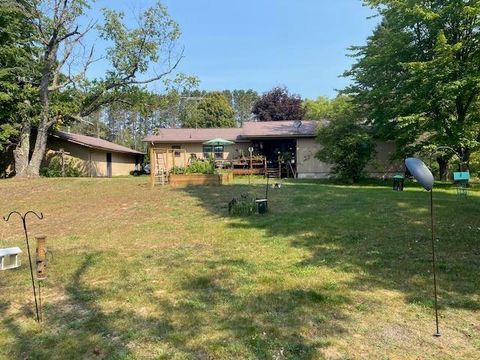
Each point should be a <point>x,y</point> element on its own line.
<point>161,175</point>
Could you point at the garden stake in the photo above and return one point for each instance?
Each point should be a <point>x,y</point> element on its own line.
<point>424,176</point>
<point>24,221</point>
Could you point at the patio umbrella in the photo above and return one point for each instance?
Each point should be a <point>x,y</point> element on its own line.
<point>218,142</point>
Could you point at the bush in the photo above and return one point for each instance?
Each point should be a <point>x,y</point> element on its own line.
<point>245,205</point>
<point>346,145</point>
<point>177,170</point>
<point>54,168</point>
<point>200,167</point>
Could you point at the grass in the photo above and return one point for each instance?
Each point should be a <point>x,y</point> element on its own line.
<point>331,272</point>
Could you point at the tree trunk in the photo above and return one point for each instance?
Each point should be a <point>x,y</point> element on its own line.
<point>22,152</point>
<point>39,150</point>
<point>442,168</point>
<point>464,154</point>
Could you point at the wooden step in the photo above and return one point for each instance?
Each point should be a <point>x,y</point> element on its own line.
<point>273,173</point>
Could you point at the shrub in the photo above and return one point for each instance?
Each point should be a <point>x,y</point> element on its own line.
<point>54,168</point>
<point>346,145</point>
<point>200,167</point>
<point>177,170</point>
<point>245,205</point>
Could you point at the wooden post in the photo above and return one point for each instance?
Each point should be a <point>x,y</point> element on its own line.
<point>279,166</point>
<point>62,153</point>
<point>152,167</point>
<point>250,150</point>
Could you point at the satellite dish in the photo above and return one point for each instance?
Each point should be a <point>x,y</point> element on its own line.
<point>297,124</point>
<point>420,172</point>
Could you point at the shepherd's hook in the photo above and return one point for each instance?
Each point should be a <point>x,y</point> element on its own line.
<point>24,222</point>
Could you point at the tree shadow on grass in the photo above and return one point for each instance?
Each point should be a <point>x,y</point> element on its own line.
<point>76,327</point>
<point>215,317</point>
<point>210,316</point>
<point>381,236</point>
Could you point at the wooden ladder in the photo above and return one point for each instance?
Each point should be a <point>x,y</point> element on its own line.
<point>161,176</point>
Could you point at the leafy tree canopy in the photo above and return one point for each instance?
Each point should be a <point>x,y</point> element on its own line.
<point>325,108</point>
<point>53,48</point>
<point>417,78</point>
<point>17,71</point>
<point>213,110</point>
<point>346,144</point>
<point>278,104</point>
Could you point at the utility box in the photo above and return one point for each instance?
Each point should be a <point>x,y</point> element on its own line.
<point>9,258</point>
<point>262,205</point>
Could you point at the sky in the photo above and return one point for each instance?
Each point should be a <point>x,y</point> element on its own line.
<point>259,44</point>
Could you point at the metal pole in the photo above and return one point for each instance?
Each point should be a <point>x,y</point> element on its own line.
<point>31,267</point>
<point>437,333</point>
<point>266,189</point>
<point>40,299</point>
<point>28,251</point>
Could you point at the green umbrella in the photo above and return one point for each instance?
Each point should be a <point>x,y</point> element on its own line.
<point>218,141</point>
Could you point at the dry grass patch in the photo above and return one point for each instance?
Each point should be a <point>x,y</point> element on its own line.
<point>331,272</point>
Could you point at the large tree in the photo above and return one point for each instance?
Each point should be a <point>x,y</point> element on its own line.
<point>17,71</point>
<point>64,89</point>
<point>324,108</point>
<point>346,142</point>
<point>278,104</point>
<point>417,78</point>
<point>213,110</point>
<point>243,102</point>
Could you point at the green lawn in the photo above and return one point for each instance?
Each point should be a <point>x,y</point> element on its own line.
<point>331,272</point>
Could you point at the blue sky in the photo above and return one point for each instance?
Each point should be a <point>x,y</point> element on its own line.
<point>258,44</point>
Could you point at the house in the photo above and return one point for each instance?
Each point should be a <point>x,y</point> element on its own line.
<point>93,156</point>
<point>293,141</point>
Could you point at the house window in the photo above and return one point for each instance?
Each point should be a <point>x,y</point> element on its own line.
<point>216,150</point>
<point>176,147</point>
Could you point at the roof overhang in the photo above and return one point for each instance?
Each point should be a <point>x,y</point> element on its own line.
<point>73,141</point>
<point>286,136</point>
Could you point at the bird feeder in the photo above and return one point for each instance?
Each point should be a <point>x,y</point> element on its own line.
<point>41,257</point>
<point>9,258</point>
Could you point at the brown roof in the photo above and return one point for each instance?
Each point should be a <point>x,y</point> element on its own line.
<point>95,143</point>
<point>194,135</point>
<point>255,129</point>
<point>250,129</point>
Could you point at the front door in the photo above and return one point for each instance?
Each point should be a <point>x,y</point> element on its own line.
<point>109,164</point>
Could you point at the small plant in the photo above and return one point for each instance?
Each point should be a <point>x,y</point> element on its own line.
<point>54,168</point>
<point>245,205</point>
<point>177,170</point>
<point>200,167</point>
